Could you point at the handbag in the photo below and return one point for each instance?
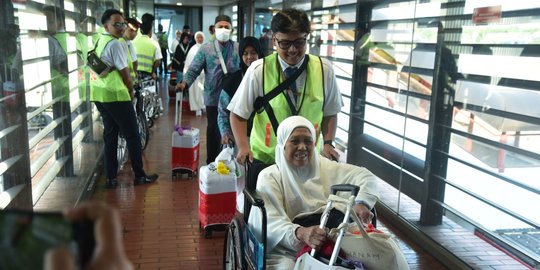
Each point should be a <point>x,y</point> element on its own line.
<point>96,64</point>
<point>373,248</point>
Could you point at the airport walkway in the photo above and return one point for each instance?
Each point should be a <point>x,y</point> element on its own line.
<point>161,220</point>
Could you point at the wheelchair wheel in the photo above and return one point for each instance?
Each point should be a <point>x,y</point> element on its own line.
<point>121,152</point>
<point>233,248</point>
<point>143,129</point>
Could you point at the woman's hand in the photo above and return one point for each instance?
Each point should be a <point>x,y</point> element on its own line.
<point>109,252</point>
<point>363,213</point>
<point>313,236</point>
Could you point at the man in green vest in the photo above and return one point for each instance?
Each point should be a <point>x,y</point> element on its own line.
<point>163,44</point>
<point>314,94</point>
<point>58,60</point>
<point>129,35</point>
<point>112,94</point>
<point>148,53</point>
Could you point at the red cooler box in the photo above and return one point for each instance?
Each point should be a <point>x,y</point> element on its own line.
<point>185,152</point>
<point>217,199</point>
<point>185,145</point>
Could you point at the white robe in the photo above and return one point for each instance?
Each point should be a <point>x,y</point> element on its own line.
<point>196,90</point>
<point>289,193</point>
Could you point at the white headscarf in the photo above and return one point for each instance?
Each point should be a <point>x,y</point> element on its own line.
<point>199,33</point>
<point>288,171</point>
<point>194,49</point>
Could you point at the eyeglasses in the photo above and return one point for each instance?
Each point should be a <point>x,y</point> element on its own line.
<point>120,24</point>
<point>286,44</point>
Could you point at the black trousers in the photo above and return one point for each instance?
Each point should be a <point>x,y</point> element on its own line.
<point>120,117</point>
<point>213,137</point>
<point>163,66</point>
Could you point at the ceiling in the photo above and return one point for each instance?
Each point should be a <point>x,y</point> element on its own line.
<point>218,3</point>
<point>198,3</point>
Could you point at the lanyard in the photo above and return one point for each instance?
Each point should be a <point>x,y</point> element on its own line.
<point>221,61</point>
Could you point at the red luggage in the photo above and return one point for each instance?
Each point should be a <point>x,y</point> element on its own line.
<point>217,198</point>
<point>185,145</point>
<point>217,192</point>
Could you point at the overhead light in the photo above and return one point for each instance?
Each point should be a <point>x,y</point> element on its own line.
<point>178,4</point>
<point>261,16</point>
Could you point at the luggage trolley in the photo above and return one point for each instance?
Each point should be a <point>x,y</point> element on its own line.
<point>311,260</point>
<point>184,145</point>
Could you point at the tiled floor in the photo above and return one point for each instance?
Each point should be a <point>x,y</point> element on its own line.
<point>161,220</point>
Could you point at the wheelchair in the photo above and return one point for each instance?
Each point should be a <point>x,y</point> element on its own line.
<point>242,250</point>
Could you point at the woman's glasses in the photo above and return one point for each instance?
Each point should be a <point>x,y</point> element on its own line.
<point>120,25</point>
<point>286,44</point>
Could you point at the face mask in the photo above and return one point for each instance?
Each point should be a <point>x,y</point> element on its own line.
<point>223,34</point>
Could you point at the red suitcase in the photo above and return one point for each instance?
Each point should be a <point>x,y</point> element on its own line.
<point>185,145</point>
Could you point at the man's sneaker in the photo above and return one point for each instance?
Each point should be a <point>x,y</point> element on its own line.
<point>145,179</point>
<point>111,183</point>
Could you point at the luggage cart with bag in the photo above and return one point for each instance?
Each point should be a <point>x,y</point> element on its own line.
<point>185,145</point>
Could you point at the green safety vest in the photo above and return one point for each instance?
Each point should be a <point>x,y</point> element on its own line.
<point>146,52</point>
<point>262,139</point>
<point>60,81</point>
<point>130,60</point>
<point>111,87</point>
<point>82,50</point>
<point>162,37</point>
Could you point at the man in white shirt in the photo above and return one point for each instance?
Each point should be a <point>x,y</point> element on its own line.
<point>314,94</point>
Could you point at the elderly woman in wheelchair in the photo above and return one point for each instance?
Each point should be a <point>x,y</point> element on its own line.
<point>295,192</point>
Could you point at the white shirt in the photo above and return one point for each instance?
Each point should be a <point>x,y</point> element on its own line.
<point>173,46</point>
<point>251,88</point>
<point>131,49</point>
<point>114,54</point>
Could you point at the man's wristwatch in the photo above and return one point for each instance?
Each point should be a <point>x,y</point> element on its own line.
<point>330,142</point>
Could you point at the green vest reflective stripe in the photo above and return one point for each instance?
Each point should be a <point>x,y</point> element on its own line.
<point>111,87</point>
<point>145,53</point>
<point>263,140</point>
<point>59,74</point>
<point>130,60</point>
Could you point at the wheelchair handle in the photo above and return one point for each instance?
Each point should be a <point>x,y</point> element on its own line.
<point>353,189</point>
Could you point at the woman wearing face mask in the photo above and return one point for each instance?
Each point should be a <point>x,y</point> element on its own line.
<point>211,58</point>
<point>196,101</point>
<point>180,54</point>
<point>295,190</point>
<point>249,50</point>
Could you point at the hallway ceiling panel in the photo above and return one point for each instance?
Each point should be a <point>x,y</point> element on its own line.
<point>198,3</point>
